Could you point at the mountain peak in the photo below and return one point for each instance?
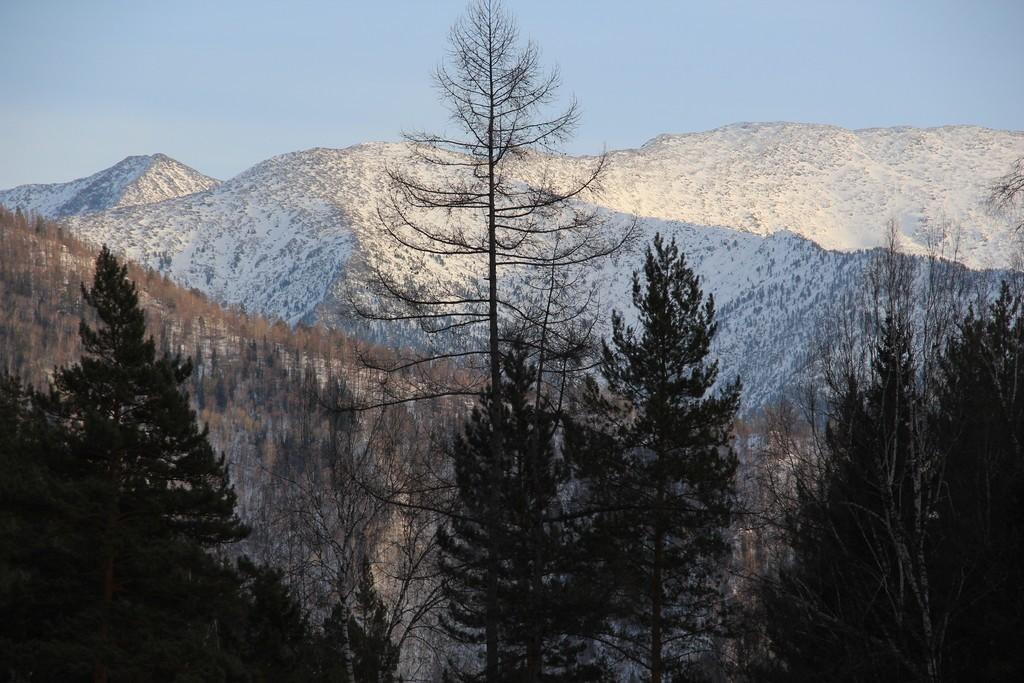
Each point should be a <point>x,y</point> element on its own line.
<point>137,179</point>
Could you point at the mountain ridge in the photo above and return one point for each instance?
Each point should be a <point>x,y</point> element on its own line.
<point>135,180</point>
<point>836,186</point>
<point>295,236</point>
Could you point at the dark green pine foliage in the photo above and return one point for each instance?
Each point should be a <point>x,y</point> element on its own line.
<point>906,546</point>
<point>516,512</point>
<point>982,421</point>
<point>41,587</point>
<point>274,637</point>
<point>375,656</point>
<point>835,612</point>
<point>158,499</point>
<point>660,469</point>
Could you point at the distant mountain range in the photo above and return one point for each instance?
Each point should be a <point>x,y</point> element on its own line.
<point>771,215</point>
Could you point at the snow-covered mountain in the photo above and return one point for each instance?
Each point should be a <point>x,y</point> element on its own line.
<point>133,180</point>
<point>834,186</point>
<point>769,214</point>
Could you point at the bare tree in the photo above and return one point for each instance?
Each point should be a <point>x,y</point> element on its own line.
<point>1006,196</point>
<point>322,522</point>
<point>461,201</point>
<point>521,247</point>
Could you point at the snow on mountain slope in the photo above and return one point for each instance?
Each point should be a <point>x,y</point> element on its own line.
<point>132,181</point>
<point>271,239</point>
<point>294,236</point>
<point>834,186</point>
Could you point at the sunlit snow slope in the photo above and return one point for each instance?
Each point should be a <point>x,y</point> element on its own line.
<point>133,180</point>
<point>834,186</point>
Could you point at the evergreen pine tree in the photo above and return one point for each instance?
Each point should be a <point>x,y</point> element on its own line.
<point>41,587</point>
<point>517,515</point>
<point>661,469</point>
<point>158,498</point>
<point>981,419</point>
<point>273,635</point>
<point>375,655</point>
<point>835,612</point>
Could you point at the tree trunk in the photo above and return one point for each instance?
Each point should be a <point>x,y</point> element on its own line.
<point>657,667</point>
<point>100,671</point>
<point>497,447</point>
<point>535,647</point>
<point>347,657</point>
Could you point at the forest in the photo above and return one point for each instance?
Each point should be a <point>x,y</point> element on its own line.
<point>871,535</point>
<point>520,492</point>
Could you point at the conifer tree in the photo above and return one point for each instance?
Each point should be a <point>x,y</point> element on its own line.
<point>981,419</point>
<point>41,587</point>
<point>375,655</point>
<point>274,636</point>
<point>158,497</point>
<point>843,609</point>
<point>661,468</point>
<point>520,516</point>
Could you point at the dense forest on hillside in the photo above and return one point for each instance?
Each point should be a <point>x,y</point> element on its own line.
<point>255,382</point>
<point>265,391</point>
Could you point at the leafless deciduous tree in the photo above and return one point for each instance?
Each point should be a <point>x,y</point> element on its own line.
<point>321,521</point>
<point>520,245</point>
<point>1007,194</point>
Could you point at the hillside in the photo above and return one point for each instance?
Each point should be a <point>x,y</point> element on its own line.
<point>259,387</point>
<point>772,217</point>
<point>253,383</point>
<point>133,180</point>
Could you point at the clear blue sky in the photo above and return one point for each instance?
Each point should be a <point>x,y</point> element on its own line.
<point>222,85</point>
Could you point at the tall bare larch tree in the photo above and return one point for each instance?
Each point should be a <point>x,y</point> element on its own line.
<point>521,244</point>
